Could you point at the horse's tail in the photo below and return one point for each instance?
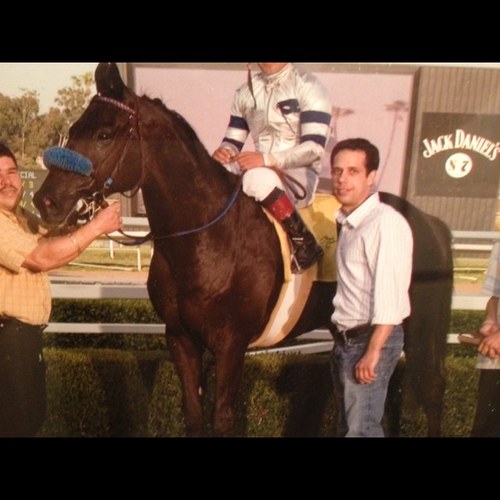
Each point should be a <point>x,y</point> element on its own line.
<point>431,289</point>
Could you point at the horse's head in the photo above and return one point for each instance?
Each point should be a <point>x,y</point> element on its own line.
<point>107,134</point>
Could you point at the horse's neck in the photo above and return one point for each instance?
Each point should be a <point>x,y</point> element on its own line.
<point>183,190</point>
<point>183,186</point>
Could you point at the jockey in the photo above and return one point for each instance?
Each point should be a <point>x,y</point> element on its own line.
<point>287,112</point>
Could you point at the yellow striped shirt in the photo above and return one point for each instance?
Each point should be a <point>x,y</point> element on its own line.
<point>24,295</point>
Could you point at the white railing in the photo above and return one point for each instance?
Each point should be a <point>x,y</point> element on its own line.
<point>487,238</point>
<point>87,288</point>
<point>320,340</point>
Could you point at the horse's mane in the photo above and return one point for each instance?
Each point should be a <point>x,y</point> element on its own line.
<point>180,121</point>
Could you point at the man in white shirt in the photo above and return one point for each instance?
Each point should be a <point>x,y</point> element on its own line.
<point>487,418</point>
<point>374,265</point>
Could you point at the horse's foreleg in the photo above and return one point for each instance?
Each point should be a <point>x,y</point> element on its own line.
<point>187,359</point>
<point>228,372</point>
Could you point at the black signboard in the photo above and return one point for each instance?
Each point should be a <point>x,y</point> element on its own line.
<point>32,180</point>
<point>459,155</point>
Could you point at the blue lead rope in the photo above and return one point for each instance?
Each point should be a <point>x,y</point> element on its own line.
<point>230,203</point>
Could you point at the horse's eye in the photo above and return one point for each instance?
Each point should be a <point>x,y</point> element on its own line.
<point>103,136</point>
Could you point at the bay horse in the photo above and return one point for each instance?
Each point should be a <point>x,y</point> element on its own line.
<point>217,268</point>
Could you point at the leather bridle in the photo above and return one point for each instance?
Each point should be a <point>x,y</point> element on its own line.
<point>98,198</point>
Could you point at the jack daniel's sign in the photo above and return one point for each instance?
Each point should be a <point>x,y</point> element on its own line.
<point>459,155</point>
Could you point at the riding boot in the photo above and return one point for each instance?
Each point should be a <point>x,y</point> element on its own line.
<point>305,249</point>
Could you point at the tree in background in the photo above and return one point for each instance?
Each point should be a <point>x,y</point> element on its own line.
<point>18,116</point>
<point>72,102</point>
<point>26,107</point>
<point>28,134</point>
<point>6,120</point>
<point>55,127</point>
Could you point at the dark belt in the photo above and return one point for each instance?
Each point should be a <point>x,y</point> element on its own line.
<point>350,333</point>
<point>5,322</point>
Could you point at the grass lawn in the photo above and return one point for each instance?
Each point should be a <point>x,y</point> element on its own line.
<point>468,270</point>
<point>123,258</point>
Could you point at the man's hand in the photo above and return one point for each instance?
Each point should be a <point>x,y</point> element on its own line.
<point>249,159</point>
<point>490,346</point>
<point>108,219</point>
<point>223,155</point>
<point>365,367</point>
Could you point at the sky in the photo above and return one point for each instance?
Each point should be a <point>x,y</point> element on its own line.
<point>45,78</point>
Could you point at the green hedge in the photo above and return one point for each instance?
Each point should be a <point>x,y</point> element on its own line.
<point>104,311</point>
<point>465,321</point>
<point>115,393</point>
<point>141,311</point>
<point>125,385</point>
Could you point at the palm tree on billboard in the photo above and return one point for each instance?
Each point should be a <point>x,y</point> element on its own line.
<point>337,114</point>
<point>398,108</point>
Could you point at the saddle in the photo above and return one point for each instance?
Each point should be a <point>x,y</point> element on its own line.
<point>320,220</point>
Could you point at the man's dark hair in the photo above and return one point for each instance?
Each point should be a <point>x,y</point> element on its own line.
<point>358,144</point>
<point>5,151</point>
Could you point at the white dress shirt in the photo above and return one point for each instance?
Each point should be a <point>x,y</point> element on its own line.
<point>491,287</point>
<point>374,265</point>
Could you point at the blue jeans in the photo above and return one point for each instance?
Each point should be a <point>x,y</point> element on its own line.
<point>22,379</point>
<point>361,406</point>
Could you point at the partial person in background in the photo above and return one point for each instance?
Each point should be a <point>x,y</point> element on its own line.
<point>288,113</point>
<point>374,266</point>
<point>26,255</point>
<point>487,418</point>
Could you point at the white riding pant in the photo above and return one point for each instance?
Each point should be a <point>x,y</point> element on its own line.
<point>259,183</point>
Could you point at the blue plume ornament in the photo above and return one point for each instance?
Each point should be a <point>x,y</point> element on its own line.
<point>68,160</point>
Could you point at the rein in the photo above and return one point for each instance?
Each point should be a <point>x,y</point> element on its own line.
<point>230,203</point>
<point>133,133</point>
<point>99,197</point>
<point>293,184</point>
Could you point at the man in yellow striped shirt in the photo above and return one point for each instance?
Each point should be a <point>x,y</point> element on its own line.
<point>27,253</point>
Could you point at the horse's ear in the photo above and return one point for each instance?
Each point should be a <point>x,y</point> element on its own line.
<point>108,81</point>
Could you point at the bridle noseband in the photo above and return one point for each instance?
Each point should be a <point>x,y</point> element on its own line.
<point>87,207</point>
<point>133,133</point>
